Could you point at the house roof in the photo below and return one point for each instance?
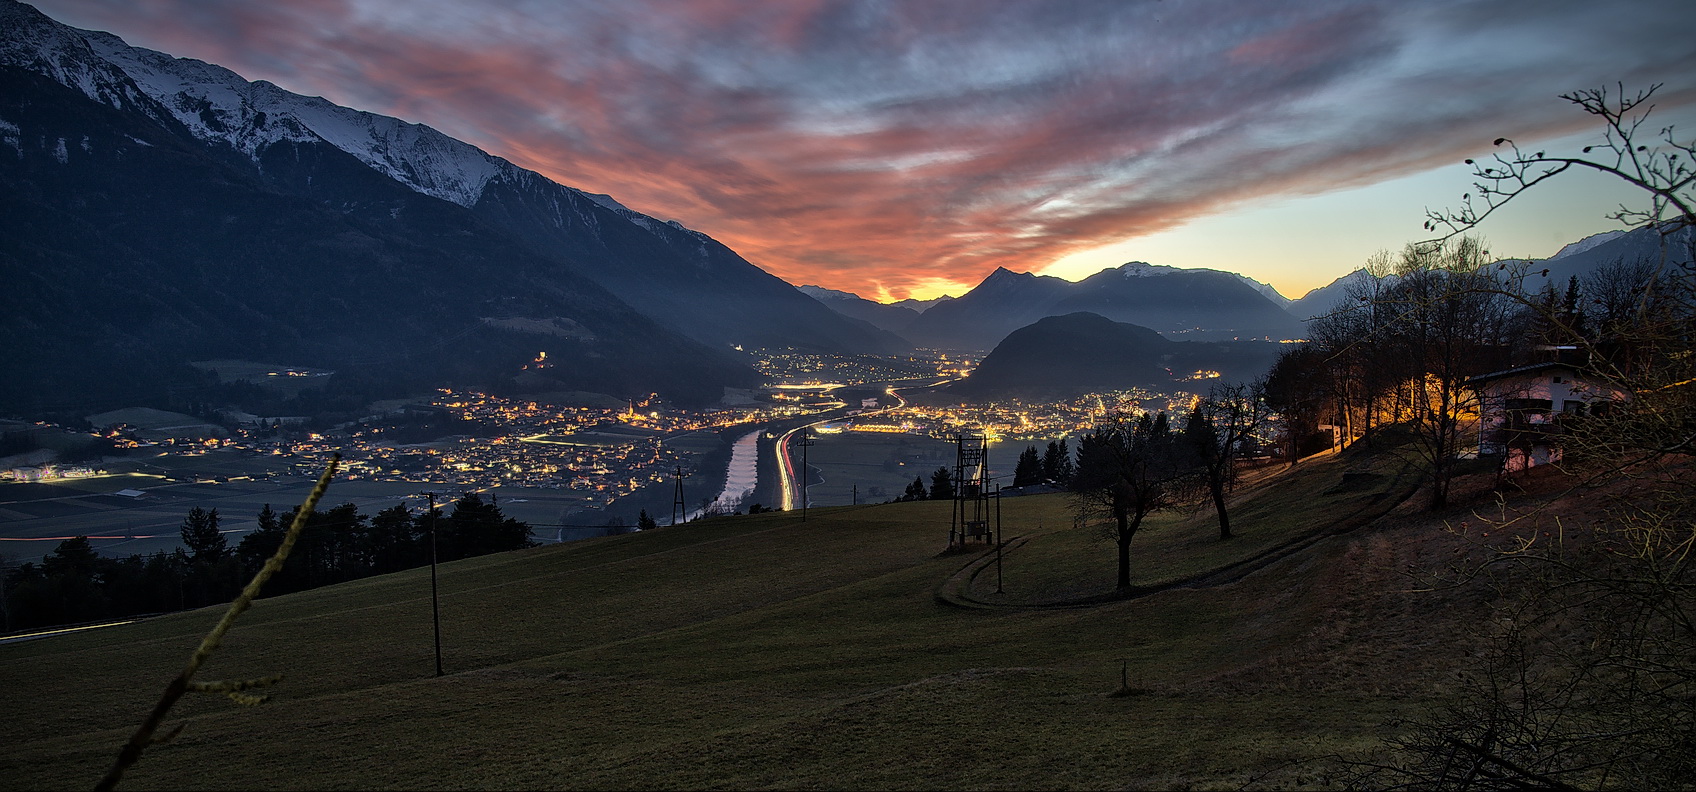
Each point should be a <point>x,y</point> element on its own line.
<point>1518,370</point>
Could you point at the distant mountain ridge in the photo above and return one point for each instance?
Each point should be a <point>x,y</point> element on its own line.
<point>1195,303</point>
<point>1575,259</point>
<point>370,210</point>
<point>894,318</point>
<point>1072,354</point>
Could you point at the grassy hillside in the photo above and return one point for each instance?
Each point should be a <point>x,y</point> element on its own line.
<point>762,652</point>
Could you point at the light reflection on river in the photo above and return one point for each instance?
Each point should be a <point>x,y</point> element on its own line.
<point>740,479</point>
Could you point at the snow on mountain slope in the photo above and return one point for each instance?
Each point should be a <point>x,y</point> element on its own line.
<point>1586,244</point>
<point>1143,269</point>
<point>822,294</point>
<point>217,104</point>
<point>31,41</point>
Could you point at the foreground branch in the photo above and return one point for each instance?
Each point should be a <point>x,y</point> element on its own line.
<point>183,683</point>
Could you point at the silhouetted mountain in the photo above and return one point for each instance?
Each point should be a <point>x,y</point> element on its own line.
<point>1005,301</point>
<point>1600,250</point>
<point>158,210</point>
<point>130,244</point>
<point>894,318</point>
<point>921,305</point>
<point>1199,304</point>
<point>680,277</point>
<point>1202,304</point>
<point>1324,299</point>
<point>1072,354</point>
<point>1579,258</point>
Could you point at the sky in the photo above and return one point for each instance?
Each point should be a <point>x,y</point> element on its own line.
<point>908,149</point>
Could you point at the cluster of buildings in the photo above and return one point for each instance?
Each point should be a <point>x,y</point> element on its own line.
<point>788,366</point>
<point>603,451</point>
<point>1016,420</point>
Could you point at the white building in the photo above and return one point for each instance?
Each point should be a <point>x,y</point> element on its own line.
<point>1522,409</point>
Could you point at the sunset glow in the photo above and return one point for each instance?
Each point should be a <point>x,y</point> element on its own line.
<point>909,149</point>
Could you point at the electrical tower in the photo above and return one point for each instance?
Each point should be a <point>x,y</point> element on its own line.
<point>678,509</point>
<point>971,515</point>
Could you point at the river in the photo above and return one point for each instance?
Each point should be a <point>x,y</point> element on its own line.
<point>740,478</point>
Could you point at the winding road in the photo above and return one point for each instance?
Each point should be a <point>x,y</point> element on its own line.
<point>792,489</point>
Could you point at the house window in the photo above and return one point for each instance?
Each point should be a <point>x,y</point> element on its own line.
<point>1557,380</point>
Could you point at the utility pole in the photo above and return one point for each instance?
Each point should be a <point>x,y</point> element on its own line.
<point>5,607</point>
<point>805,442</point>
<point>435,606</point>
<point>998,538</point>
<point>678,508</point>
<point>854,495</point>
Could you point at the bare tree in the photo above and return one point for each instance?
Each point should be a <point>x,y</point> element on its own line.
<point>1296,390</point>
<point>1667,173</point>
<point>1128,469</point>
<point>1590,683</point>
<point>1446,326</point>
<point>1218,426</point>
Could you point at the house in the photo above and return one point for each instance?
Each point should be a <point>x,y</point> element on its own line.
<point>1523,410</point>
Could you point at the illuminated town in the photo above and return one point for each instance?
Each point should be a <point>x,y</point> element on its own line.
<point>477,440</point>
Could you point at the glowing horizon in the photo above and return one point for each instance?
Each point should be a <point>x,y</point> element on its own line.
<point>909,149</point>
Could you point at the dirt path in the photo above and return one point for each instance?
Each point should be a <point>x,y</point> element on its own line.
<point>956,589</point>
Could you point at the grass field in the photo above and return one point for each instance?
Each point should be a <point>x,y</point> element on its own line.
<point>761,652</point>
<point>880,466</point>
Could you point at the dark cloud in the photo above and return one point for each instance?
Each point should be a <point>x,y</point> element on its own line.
<point>888,146</point>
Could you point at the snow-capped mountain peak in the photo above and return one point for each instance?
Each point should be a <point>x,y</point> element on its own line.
<point>822,294</point>
<point>1143,269</point>
<point>218,105</point>
<point>1586,243</point>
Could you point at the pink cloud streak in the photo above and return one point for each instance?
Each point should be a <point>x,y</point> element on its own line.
<point>882,151</point>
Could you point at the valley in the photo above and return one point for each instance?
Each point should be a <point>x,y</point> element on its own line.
<point>991,503</point>
<point>570,472</point>
<point>815,651</point>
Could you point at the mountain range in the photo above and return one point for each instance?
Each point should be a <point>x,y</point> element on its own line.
<point>1191,303</point>
<point>1580,258</point>
<point>158,210</point>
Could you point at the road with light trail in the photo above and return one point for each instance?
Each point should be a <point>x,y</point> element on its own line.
<point>793,490</point>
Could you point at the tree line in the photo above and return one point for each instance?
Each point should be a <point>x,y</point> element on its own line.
<point>1590,670</point>
<point>76,584</point>
<point>1129,467</point>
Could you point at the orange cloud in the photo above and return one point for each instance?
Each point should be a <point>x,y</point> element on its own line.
<point>892,150</point>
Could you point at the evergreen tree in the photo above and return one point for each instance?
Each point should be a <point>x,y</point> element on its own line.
<point>1571,312</point>
<point>201,536</point>
<point>941,484</point>
<point>1028,471</point>
<point>69,588</point>
<point>393,541</point>
<point>73,556</point>
<point>916,490</point>
<point>477,528</point>
<point>647,523</point>
<point>1057,464</point>
<point>260,543</point>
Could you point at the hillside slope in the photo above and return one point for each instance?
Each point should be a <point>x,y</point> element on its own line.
<point>761,651</point>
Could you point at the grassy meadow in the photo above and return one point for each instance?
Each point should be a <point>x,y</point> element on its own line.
<point>758,651</point>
